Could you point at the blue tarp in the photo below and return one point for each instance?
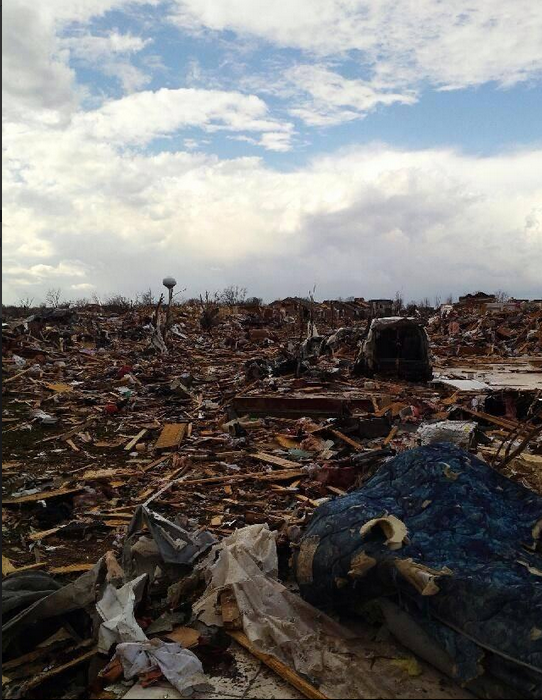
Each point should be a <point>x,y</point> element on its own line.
<point>480,530</point>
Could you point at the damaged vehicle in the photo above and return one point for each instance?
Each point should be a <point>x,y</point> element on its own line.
<point>395,346</point>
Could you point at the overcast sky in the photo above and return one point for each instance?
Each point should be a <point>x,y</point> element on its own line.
<point>363,147</point>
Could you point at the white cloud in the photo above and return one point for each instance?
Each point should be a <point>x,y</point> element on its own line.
<point>92,47</point>
<point>83,286</point>
<point>38,84</point>
<point>335,99</point>
<point>142,117</point>
<point>456,43</point>
<point>109,53</point>
<point>363,221</point>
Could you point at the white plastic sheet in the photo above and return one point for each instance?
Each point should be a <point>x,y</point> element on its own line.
<point>274,619</point>
<point>116,608</point>
<point>181,667</point>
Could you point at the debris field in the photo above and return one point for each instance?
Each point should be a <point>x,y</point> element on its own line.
<point>170,477</point>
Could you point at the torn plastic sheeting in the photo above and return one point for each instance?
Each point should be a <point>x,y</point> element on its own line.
<point>116,608</point>
<point>275,620</point>
<point>77,595</point>
<point>181,667</point>
<point>468,530</point>
<point>175,545</point>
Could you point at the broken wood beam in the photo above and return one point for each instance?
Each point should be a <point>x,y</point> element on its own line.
<point>275,460</point>
<point>43,495</point>
<point>300,406</point>
<point>349,441</point>
<point>133,442</point>
<point>497,420</point>
<point>258,476</point>
<point>280,668</point>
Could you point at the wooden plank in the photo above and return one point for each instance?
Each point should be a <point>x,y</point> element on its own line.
<point>285,672</point>
<point>37,536</point>
<point>391,435</point>
<point>336,491</point>
<point>59,387</point>
<point>171,436</point>
<point>271,405</point>
<point>42,677</point>
<point>156,462</point>
<point>353,443</point>
<point>71,568</point>
<point>275,460</point>
<point>133,442</point>
<point>497,420</point>
<point>28,567</point>
<point>27,658</point>
<point>43,495</point>
<point>258,476</point>
<point>187,637</point>
<point>16,376</point>
<point>7,566</point>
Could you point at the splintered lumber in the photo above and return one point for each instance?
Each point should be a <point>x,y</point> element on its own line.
<point>497,420</point>
<point>16,376</point>
<point>353,443</point>
<point>42,677</point>
<point>38,536</point>
<point>300,405</point>
<point>258,476</point>
<point>274,459</point>
<point>133,442</point>
<point>516,453</point>
<point>391,435</point>
<point>336,491</point>
<point>70,433</point>
<point>171,436</point>
<point>71,568</point>
<point>285,672</point>
<point>231,617</point>
<point>42,496</point>
<point>156,462</point>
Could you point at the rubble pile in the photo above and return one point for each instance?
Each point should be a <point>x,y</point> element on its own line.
<point>498,335</point>
<point>160,470</point>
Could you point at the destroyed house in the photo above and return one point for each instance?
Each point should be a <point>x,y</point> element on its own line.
<point>395,346</point>
<point>345,311</point>
<point>381,307</point>
<point>477,300</point>
<point>294,306</point>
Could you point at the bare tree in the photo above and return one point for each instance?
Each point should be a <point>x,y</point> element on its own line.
<point>81,303</point>
<point>450,299</point>
<point>209,311</point>
<point>501,296</point>
<point>53,297</point>
<point>26,303</point>
<point>438,301</point>
<point>118,301</point>
<point>148,298</point>
<point>233,295</point>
